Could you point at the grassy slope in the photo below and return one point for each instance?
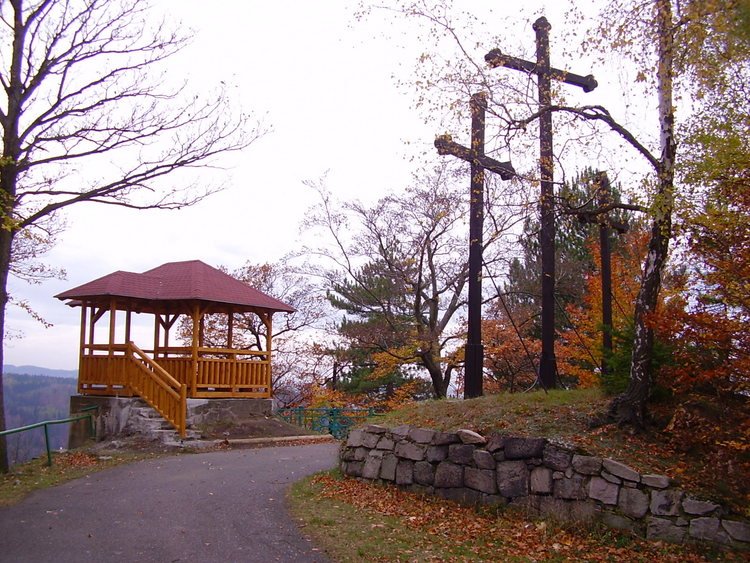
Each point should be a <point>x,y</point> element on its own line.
<point>356,521</point>
<point>705,464</point>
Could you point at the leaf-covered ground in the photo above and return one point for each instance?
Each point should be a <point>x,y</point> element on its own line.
<point>358,521</point>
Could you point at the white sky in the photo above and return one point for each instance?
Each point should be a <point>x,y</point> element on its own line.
<point>324,82</point>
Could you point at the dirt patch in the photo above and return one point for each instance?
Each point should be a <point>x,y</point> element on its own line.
<point>253,427</point>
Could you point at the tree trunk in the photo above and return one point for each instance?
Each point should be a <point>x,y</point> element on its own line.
<point>630,407</point>
<point>439,380</point>
<point>6,241</point>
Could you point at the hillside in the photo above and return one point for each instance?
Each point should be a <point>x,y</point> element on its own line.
<point>35,398</point>
<point>37,370</point>
<point>702,446</point>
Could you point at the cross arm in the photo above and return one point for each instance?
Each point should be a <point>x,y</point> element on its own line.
<point>496,58</point>
<point>445,146</point>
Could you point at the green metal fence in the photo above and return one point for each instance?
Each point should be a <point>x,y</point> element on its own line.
<point>47,423</point>
<point>335,421</point>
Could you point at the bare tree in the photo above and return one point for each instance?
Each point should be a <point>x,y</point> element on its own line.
<point>400,264</point>
<point>289,341</point>
<point>85,118</point>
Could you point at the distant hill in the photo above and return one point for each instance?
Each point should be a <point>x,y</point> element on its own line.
<point>36,370</point>
<point>35,398</point>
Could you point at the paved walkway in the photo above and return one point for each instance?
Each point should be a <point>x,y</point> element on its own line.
<point>220,506</point>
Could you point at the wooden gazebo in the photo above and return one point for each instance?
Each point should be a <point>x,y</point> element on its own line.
<point>166,375</point>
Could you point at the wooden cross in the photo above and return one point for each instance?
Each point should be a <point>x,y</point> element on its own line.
<point>606,223</point>
<point>474,354</point>
<point>545,73</point>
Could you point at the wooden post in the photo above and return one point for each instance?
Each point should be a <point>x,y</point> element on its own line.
<point>128,318</point>
<point>194,370</point>
<point>474,351</point>
<point>157,333</point>
<point>268,322</point>
<point>230,329</point>
<point>545,73</point>
<point>474,354</point>
<point>112,327</point>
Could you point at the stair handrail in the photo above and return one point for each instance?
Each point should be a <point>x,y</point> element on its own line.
<point>160,376</point>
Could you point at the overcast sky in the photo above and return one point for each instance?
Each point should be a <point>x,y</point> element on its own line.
<point>324,82</point>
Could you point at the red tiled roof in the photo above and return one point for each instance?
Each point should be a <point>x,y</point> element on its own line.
<point>177,281</point>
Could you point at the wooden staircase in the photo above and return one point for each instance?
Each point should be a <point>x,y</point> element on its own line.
<point>158,388</point>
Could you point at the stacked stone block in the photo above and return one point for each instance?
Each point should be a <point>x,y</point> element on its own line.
<point>534,473</point>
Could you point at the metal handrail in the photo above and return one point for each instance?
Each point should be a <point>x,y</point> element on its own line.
<point>46,423</point>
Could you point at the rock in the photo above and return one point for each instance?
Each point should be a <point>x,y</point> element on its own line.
<point>445,438</point>
<point>556,458</point>
<point>621,470</point>
<point>354,468</point>
<point>462,454</point>
<point>524,448</point>
<point>698,507</point>
<point>586,464</point>
<point>656,481</point>
<point>484,459</point>
<point>739,531</point>
<point>370,440</point>
<point>375,429</point>
<point>448,475</point>
<point>470,437</point>
<point>512,479</point>
<point>436,454</point>
<point>495,443</point>
<point>354,440</point>
<point>603,491</point>
<point>666,502</point>
<point>611,478</point>
<point>421,435</point>
<point>360,454</point>
<point>708,529</point>
<point>541,480</point>
<point>633,502</point>
<point>404,472</point>
<point>400,432</point>
<point>619,522</point>
<point>410,450</point>
<point>388,467</point>
<point>424,473</point>
<point>385,443</point>
<point>663,529</point>
<point>483,480</point>
<point>571,488</point>
<point>371,469</point>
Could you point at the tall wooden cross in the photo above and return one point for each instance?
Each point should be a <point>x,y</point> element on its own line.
<point>474,353</point>
<point>601,216</point>
<point>545,73</point>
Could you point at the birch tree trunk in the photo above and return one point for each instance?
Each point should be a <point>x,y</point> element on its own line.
<point>630,407</point>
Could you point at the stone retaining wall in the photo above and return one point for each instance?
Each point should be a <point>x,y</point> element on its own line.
<point>539,475</point>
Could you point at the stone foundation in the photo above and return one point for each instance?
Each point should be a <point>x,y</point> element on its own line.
<point>543,477</point>
<point>117,415</point>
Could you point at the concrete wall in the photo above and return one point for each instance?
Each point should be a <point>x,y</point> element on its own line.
<point>541,476</point>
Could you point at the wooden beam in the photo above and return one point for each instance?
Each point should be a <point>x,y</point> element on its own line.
<point>196,343</point>
<point>127,325</point>
<point>112,326</point>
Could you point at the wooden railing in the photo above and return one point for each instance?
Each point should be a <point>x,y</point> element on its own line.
<point>157,387</point>
<point>217,372</point>
<point>220,372</point>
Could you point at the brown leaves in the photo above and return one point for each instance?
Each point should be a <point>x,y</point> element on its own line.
<point>486,536</point>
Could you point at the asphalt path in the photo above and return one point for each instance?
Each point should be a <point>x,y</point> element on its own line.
<point>219,506</point>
